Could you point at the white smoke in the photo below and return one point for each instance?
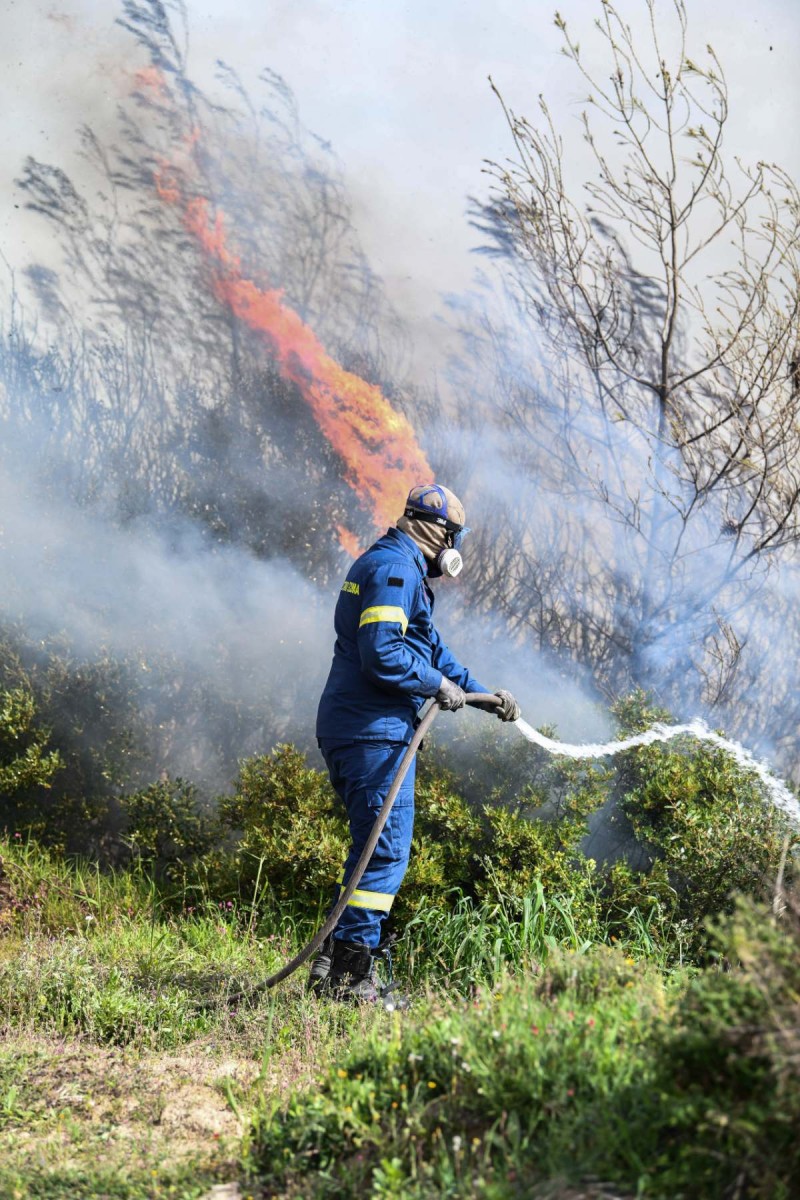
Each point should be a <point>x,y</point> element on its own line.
<point>256,633</point>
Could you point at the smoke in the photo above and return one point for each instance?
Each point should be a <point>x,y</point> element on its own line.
<point>210,633</point>
<point>209,628</point>
<point>562,498</point>
<point>168,498</point>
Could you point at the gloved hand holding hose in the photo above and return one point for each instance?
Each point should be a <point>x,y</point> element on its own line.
<point>450,696</point>
<point>507,709</point>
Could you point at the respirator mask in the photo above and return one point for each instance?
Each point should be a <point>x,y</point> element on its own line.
<point>434,518</point>
<point>449,561</point>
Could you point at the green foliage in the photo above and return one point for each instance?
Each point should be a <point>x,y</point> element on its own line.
<point>292,837</point>
<point>470,942</point>
<point>542,1057</point>
<point>503,846</point>
<point>93,725</point>
<point>480,1098</point>
<point>701,822</point>
<point>25,761</point>
<point>93,953</point>
<point>170,831</point>
<point>733,1059</point>
<point>75,993</point>
<point>708,828</point>
<point>480,862</point>
<point>595,1067</point>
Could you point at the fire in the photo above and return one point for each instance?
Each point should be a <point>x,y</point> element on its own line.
<point>348,541</point>
<point>151,79</point>
<point>377,444</point>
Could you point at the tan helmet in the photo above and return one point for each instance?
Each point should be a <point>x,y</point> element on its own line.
<point>434,517</point>
<point>434,502</point>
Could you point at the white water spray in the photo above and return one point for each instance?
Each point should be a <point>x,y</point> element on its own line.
<point>779,793</point>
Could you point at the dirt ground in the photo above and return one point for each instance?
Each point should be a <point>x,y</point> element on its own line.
<point>65,1105</point>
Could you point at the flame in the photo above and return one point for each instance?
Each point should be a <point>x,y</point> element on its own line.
<point>151,79</point>
<point>381,455</point>
<point>348,541</point>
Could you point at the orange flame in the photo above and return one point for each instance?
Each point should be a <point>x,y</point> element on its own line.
<point>151,79</point>
<point>377,444</point>
<point>348,541</point>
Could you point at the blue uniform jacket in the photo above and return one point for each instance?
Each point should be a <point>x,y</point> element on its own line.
<point>388,657</point>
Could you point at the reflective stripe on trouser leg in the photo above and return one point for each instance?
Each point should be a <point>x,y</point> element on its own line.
<point>380,901</point>
<point>362,773</point>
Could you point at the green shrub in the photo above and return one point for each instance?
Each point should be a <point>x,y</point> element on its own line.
<point>89,712</point>
<point>282,837</point>
<point>25,761</point>
<point>495,844</point>
<point>596,1067</point>
<point>703,822</point>
<point>730,1064</point>
<point>706,823</point>
<point>170,831</point>
<point>292,840</point>
<point>292,836</point>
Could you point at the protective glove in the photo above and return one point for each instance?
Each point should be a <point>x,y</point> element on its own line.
<point>450,695</point>
<point>508,709</point>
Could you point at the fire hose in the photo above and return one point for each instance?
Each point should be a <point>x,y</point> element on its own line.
<point>482,698</point>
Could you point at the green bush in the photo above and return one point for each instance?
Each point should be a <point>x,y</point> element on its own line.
<point>170,831</point>
<point>292,840</point>
<point>706,824</point>
<point>25,761</point>
<point>281,837</point>
<point>292,836</point>
<point>703,823</point>
<point>731,1063</point>
<point>597,1067</point>
<point>492,843</point>
<point>93,724</point>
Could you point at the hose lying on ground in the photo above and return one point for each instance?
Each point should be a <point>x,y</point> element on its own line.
<point>483,698</point>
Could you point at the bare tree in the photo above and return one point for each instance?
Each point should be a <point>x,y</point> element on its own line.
<point>160,398</point>
<point>668,291</point>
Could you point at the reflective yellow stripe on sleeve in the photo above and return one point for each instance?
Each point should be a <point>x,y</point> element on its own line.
<point>384,612</point>
<point>381,901</point>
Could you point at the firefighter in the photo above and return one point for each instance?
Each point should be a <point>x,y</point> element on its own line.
<point>387,660</point>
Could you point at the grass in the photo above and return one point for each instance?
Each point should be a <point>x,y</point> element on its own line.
<point>485,1096</point>
<point>535,1061</point>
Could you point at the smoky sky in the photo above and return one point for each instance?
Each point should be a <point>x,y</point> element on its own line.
<point>399,91</point>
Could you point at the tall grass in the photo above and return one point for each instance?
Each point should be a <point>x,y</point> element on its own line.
<point>535,1049</point>
<point>112,956</point>
<point>471,942</point>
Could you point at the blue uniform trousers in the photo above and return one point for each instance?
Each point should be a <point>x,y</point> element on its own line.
<point>361,774</point>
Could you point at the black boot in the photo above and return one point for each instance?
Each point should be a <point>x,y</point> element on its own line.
<point>321,968</point>
<point>352,974</point>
